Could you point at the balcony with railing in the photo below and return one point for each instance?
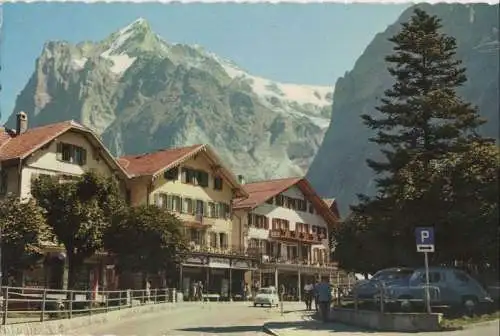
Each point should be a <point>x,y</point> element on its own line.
<point>224,251</point>
<point>304,237</point>
<point>197,220</point>
<point>266,259</point>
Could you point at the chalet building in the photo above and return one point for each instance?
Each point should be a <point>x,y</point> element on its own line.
<point>289,224</point>
<point>193,183</point>
<point>66,149</point>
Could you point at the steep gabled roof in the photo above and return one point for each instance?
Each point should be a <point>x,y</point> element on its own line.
<point>332,204</point>
<point>19,146</point>
<point>156,162</point>
<point>260,192</point>
<point>153,164</point>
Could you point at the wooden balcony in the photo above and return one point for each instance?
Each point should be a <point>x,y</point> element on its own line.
<point>197,221</point>
<point>236,251</point>
<point>303,237</point>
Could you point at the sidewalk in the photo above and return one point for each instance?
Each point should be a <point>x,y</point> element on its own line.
<point>298,323</point>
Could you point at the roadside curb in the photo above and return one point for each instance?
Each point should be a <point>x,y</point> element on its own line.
<point>480,324</point>
<point>268,330</point>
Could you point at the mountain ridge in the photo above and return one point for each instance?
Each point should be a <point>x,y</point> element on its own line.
<point>141,93</point>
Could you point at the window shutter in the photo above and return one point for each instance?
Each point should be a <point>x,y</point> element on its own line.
<point>184,175</point>
<point>59,151</point>
<point>266,223</point>
<point>205,209</point>
<point>84,157</point>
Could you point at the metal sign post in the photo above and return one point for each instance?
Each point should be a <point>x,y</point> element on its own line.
<point>425,244</point>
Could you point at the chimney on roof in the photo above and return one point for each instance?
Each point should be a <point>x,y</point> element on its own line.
<point>241,179</point>
<point>21,122</point>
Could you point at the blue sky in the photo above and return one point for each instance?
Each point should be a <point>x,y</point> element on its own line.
<point>295,43</point>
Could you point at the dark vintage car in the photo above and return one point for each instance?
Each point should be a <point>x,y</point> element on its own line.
<point>368,289</point>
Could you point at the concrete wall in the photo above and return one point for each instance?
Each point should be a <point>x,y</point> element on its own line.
<point>400,322</point>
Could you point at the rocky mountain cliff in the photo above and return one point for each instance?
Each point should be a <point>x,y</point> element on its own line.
<point>339,169</point>
<point>142,94</point>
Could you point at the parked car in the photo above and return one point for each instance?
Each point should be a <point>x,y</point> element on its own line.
<point>266,296</point>
<point>448,287</point>
<point>368,289</point>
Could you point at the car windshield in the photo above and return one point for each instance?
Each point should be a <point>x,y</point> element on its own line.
<point>392,275</point>
<point>265,291</point>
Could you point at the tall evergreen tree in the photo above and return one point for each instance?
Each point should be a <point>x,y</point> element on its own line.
<point>421,115</point>
<point>426,133</point>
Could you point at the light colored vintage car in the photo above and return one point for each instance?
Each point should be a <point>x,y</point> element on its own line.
<point>266,296</point>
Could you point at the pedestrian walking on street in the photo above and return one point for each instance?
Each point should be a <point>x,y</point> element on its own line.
<point>308,294</point>
<point>200,291</point>
<point>315,293</point>
<point>324,292</point>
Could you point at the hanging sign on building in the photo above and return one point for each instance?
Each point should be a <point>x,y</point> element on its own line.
<point>195,261</point>
<point>240,264</point>
<point>219,263</point>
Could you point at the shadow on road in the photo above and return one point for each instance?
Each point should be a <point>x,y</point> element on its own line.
<point>308,326</point>
<point>223,330</point>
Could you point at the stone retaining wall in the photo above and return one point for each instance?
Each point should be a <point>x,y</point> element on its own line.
<point>401,322</point>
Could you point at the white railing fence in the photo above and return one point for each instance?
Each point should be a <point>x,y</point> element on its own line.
<point>29,304</point>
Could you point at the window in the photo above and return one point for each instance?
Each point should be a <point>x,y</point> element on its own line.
<point>195,177</point>
<point>202,178</point>
<point>187,205</point>
<point>301,205</point>
<point>71,153</point>
<point>200,208</point>
<point>176,202</point>
<point>172,174</point>
<point>159,200</point>
<point>280,224</point>
<point>168,202</point>
<point>211,210</point>
<point>279,201</point>
<point>223,240</point>
<point>311,208</point>
<point>224,211</point>
<point>218,183</point>
<point>290,203</point>
<point>461,277</point>
<point>213,239</point>
<point>250,219</point>
<point>261,222</point>
<point>270,201</point>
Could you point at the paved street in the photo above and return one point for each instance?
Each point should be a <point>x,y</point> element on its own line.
<point>242,319</point>
<point>216,318</point>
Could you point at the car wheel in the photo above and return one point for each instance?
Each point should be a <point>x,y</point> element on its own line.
<point>470,305</point>
<point>255,305</point>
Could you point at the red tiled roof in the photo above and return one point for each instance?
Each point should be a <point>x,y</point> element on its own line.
<point>19,146</point>
<point>151,163</point>
<point>259,192</point>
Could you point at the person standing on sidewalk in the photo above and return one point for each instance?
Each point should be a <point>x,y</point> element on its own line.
<point>324,296</point>
<point>308,293</point>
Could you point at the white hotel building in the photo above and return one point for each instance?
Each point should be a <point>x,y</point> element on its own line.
<point>289,224</point>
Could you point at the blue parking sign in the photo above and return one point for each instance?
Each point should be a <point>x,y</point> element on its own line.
<point>425,239</point>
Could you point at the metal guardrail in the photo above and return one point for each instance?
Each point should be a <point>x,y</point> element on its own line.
<point>29,304</point>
